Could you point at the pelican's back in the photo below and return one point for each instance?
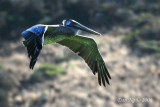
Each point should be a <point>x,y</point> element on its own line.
<point>55,33</point>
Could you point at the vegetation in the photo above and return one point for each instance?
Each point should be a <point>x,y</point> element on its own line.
<point>141,16</point>
<point>145,34</point>
<point>2,68</point>
<point>45,72</point>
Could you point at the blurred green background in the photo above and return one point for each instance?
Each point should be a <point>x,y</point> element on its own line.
<point>130,46</point>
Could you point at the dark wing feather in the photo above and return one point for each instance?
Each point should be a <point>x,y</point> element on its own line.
<point>34,45</point>
<point>87,49</point>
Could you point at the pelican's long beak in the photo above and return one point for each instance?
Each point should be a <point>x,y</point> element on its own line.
<point>84,28</point>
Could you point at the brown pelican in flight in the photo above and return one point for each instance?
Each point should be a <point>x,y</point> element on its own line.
<point>66,35</point>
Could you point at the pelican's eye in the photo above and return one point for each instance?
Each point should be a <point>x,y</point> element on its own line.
<point>68,23</point>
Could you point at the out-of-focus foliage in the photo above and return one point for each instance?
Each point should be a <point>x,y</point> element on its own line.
<point>2,68</point>
<point>145,34</point>
<point>45,72</point>
<point>141,16</point>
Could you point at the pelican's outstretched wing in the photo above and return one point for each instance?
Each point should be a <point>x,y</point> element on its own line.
<point>33,42</point>
<point>87,49</point>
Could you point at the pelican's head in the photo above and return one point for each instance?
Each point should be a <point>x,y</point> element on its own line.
<point>74,24</point>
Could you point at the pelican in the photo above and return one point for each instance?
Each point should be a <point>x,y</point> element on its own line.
<point>66,35</point>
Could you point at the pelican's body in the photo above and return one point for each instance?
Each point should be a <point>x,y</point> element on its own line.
<point>57,33</point>
<point>67,35</point>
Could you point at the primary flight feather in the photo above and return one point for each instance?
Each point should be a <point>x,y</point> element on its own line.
<point>66,35</point>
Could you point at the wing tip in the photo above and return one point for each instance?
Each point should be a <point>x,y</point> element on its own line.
<point>109,77</point>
